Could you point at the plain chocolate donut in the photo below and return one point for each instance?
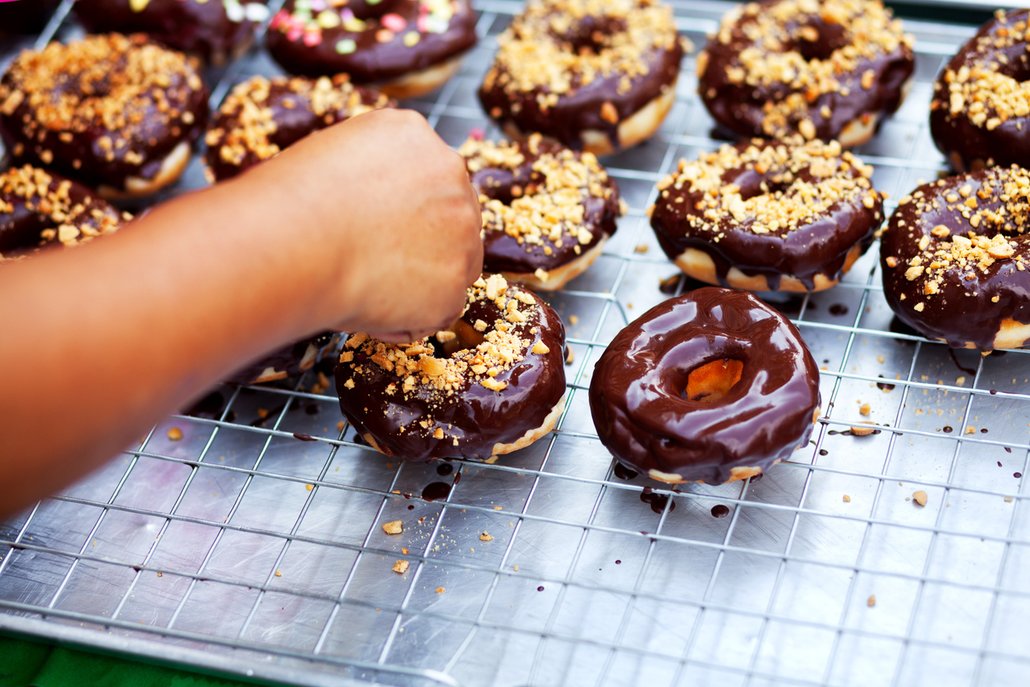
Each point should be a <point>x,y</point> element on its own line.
<point>39,209</point>
<point>493,384</point>
<point>214,30</point>
<point>547,210</point>
<point>591,75</point>
<point>766,216</point>
<point>828,69</point>
<point>262,117</point>
<point>980,113</point>
<point>406,47</point>
<point>956,259</point>
<point>756,396</point>
<point>117,113</point>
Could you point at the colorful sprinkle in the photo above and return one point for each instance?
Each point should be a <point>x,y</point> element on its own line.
<point>477,134</point>
<point>436,24</point>
<point>281,18</point>
<point>328,19</point>
<point>353,24</point>
<point>385,35</point>
<point>312,38</point>
<point>394,22</point>
<point>294,33</point>
<point>138,5</point>
<point>411,38</point>
<point>346,46</point>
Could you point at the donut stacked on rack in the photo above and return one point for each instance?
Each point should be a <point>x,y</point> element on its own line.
<point>829,69</point>
<point>547,210</point>
<point>980,114</point>
<point>214,30</point>
<point>406,48</point>
<point>118,113</point>
<point>261,117</point>
<point>595,75</point>
<point>39,210</point>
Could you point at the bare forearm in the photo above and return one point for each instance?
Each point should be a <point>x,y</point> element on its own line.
<point>110,337</point>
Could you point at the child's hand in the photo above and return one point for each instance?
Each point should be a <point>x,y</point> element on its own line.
<point>399,220</point>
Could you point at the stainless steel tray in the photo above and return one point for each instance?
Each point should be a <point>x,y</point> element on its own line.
<point>244,549</point>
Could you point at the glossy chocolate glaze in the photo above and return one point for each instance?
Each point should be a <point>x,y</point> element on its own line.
<point>25,16</point>
<point>475,416</point>
<point>637,390</point>
<point>587,104</point>
<point>162,118</point>
<point>966,144</point>
<point>31,221</point>
<point>820,246</point>
<point>363,45</point>
<point>496,180</point>
<point>742,107</point>
<point>969,304</point>
<point>238,140</point>
<point>287,360</point>
<point>211,29</point>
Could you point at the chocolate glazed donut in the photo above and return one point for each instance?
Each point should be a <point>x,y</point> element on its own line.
<point>956,259</point>
<point>214,30</point>
<point>118,113</point>
<point>711,386</point>
<point>261,117</point>
<point>828,69</point>
<point>766,216</point>
<point>493,384</point>
<point>547,210</point>
<point>980,113</point>
<point>406,47</point>
<point>591,75</point>
<point>39,209</point>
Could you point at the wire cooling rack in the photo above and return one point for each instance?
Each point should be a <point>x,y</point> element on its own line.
<point>242,548</point>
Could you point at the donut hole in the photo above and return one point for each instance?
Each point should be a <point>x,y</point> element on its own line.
<point>818,40</point>
<point>709,383</point>
<point>459,337</point>
<point>592,35</point>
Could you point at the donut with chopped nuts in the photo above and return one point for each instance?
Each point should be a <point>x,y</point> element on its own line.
<point>829,69</point>
<point>768,216</point>
<point>214,30</point>
<point>492,384</point>
<point>547,210</point>
<point>117,113</point>
<point>956,259</point>
<point>262,117</point>
<point>980,113</point>
<point>407,48</point>
<point>712,386</point>
<point>39,209</point>
<point>289,361</point>
<point>593,75</point>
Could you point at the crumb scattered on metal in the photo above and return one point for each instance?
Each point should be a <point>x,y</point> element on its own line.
<point>400,566</point>
<point>393,527</point>
<point>175,434</point>
<point>919,497</point>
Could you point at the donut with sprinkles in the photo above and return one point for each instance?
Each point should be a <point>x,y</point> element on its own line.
<point>406,48</point>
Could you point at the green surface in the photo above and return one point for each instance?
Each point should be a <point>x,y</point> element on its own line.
<point>25,662</point>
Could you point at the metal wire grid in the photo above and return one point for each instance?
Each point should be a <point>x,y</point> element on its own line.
<point>243,549</point>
